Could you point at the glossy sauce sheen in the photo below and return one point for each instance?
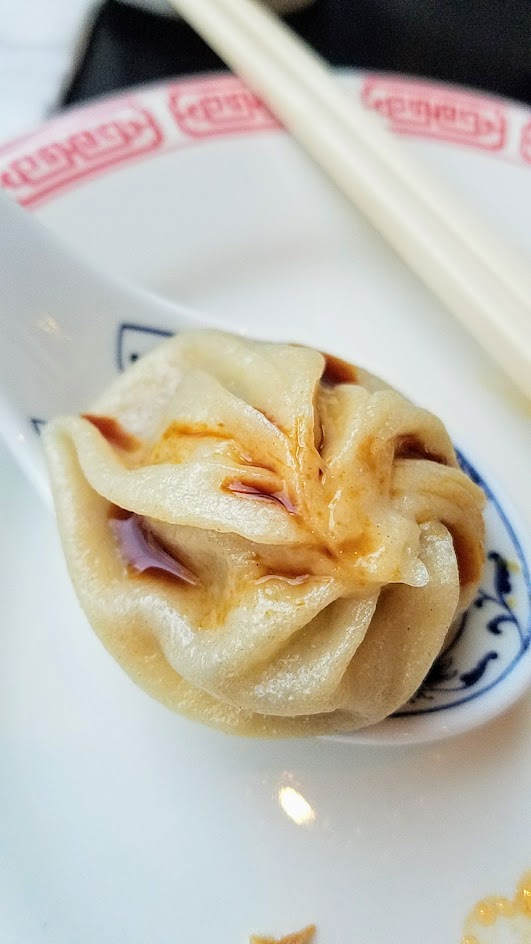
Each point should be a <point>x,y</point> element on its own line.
<point>141,550</point>
<point>261,494</point>
<point>294,580</point>
<point>113,431</point>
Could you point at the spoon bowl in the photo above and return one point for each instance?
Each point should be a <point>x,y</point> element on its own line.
<point>68,329</point>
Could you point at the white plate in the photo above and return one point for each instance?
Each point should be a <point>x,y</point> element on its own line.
<point>120,822</point>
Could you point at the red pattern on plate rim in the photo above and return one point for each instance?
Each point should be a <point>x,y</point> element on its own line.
<point>58,154</point>
<point>85,143</point>
<point>204,109</point>
<point>437,111</point>
<point>525,143</point>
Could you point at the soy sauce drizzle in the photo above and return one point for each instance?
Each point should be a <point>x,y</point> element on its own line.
<point>337,371</point>
<point>142,551</point>
<point>113,431</point>
<point>262,494</point>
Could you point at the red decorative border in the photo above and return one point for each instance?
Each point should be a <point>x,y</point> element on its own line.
<point>204,109</point>
<point>85,143</point>
<point>58,156</point>
<point>525,143</point>
<point>436,111</point>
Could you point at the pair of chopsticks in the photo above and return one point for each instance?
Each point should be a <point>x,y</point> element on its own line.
<point>475,275</point>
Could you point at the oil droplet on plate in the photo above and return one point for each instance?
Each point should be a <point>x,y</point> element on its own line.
<point>499,919</point>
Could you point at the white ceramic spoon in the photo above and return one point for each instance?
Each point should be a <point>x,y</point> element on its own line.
<point>58,318</point>
<point>62,325</point>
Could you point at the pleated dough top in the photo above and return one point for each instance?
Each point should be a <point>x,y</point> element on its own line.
<point>268,539</point>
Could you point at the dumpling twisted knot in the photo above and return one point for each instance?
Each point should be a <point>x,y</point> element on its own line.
<point>267,539</point>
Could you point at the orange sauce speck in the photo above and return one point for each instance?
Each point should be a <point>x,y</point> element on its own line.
<point>360,546</point>
<point>196,429</point>
<point>174,444</point>
<point>113,431</point>
<point>305,936</point>
<point>176,436</point>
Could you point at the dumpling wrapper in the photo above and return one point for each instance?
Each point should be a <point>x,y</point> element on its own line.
<point>324,538</point>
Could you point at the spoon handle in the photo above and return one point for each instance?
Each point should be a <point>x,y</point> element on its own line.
<point>59,322</point>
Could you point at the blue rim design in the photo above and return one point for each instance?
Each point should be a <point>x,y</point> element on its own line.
<point>37,424</point>
<point>154,333</point>
<point>443,668</point>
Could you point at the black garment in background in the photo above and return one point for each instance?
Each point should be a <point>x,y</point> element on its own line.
<point>480,43</point>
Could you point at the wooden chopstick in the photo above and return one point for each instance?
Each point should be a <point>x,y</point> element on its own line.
<point>472,272</point>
